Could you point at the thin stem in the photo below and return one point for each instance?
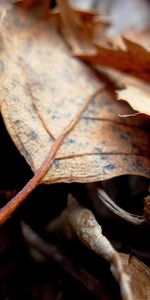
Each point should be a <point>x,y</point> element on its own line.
<point>14,203</point>
<point>90,233</point>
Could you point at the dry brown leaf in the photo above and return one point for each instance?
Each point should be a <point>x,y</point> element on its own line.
<point>81,39</point>
<point>43,89</point>
<point>122,14</point>
<point>42,5</point>
<point>137,94</point>
<point>140,276</point>
<point>140,37</point>
<point>80,33</point>
<point>135,60</point>
<point>129,54</point>
<point>135,91</point>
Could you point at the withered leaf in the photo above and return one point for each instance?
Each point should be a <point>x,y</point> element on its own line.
<point>41,6</point>
<point>122,14</point>
<point>80,33</point>
<point>135,91</point>
<point>141,37</point>
<point>135,60</point>
<point>140,276</point>
<point>43,88</point>
<point>131,56</point>
<point>137,94</point>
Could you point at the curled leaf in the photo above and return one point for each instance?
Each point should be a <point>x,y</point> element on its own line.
<point>134,219</point>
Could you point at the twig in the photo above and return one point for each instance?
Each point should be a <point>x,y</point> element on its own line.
<point>89,232</point>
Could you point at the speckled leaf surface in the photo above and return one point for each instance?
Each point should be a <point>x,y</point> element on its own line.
<point>42,89</point>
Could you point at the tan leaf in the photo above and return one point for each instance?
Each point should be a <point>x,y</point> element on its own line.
<point>140,37</point>
<point>137,94</point>
<point>140,276</point>
<point>81,39</point>
<point>122,14</point>
<point>135,91</point>
<point>43,89</point>
<point>129,54</point>
<point>80,33</point>
<point>42,5</point>
<point>135,60</point>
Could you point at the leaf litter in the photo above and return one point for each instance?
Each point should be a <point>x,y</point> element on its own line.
<point>63,115</point>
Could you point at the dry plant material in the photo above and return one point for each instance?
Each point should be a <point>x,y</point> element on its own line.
<point>140,276</point>
<point>84,225</point>
<point>140,37</point>
<point>131,218</point>
<point>64,119</point>
<point>81,33</point>
<point>49,86</point>
<point>137,94</point>
<point>78,35</point>
<point>147,208</point>
<point>44,92</point>
<point>135,60</point>
<point>128,88</point>
<point>130,55</point>
<point>39,110</point>
<point>89,232</point>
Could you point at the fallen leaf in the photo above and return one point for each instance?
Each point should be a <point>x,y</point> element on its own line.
<point>80,33</point>
<point>135,60</point>
<point>140,37</point>
<point>130,53</point>
<point>140,276</point>
<point>42,5</point>
<point>122,14</point>
<point>135,91</point>
<point>81,39</point>
<point>137,94</point>
<point>43,89</point>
